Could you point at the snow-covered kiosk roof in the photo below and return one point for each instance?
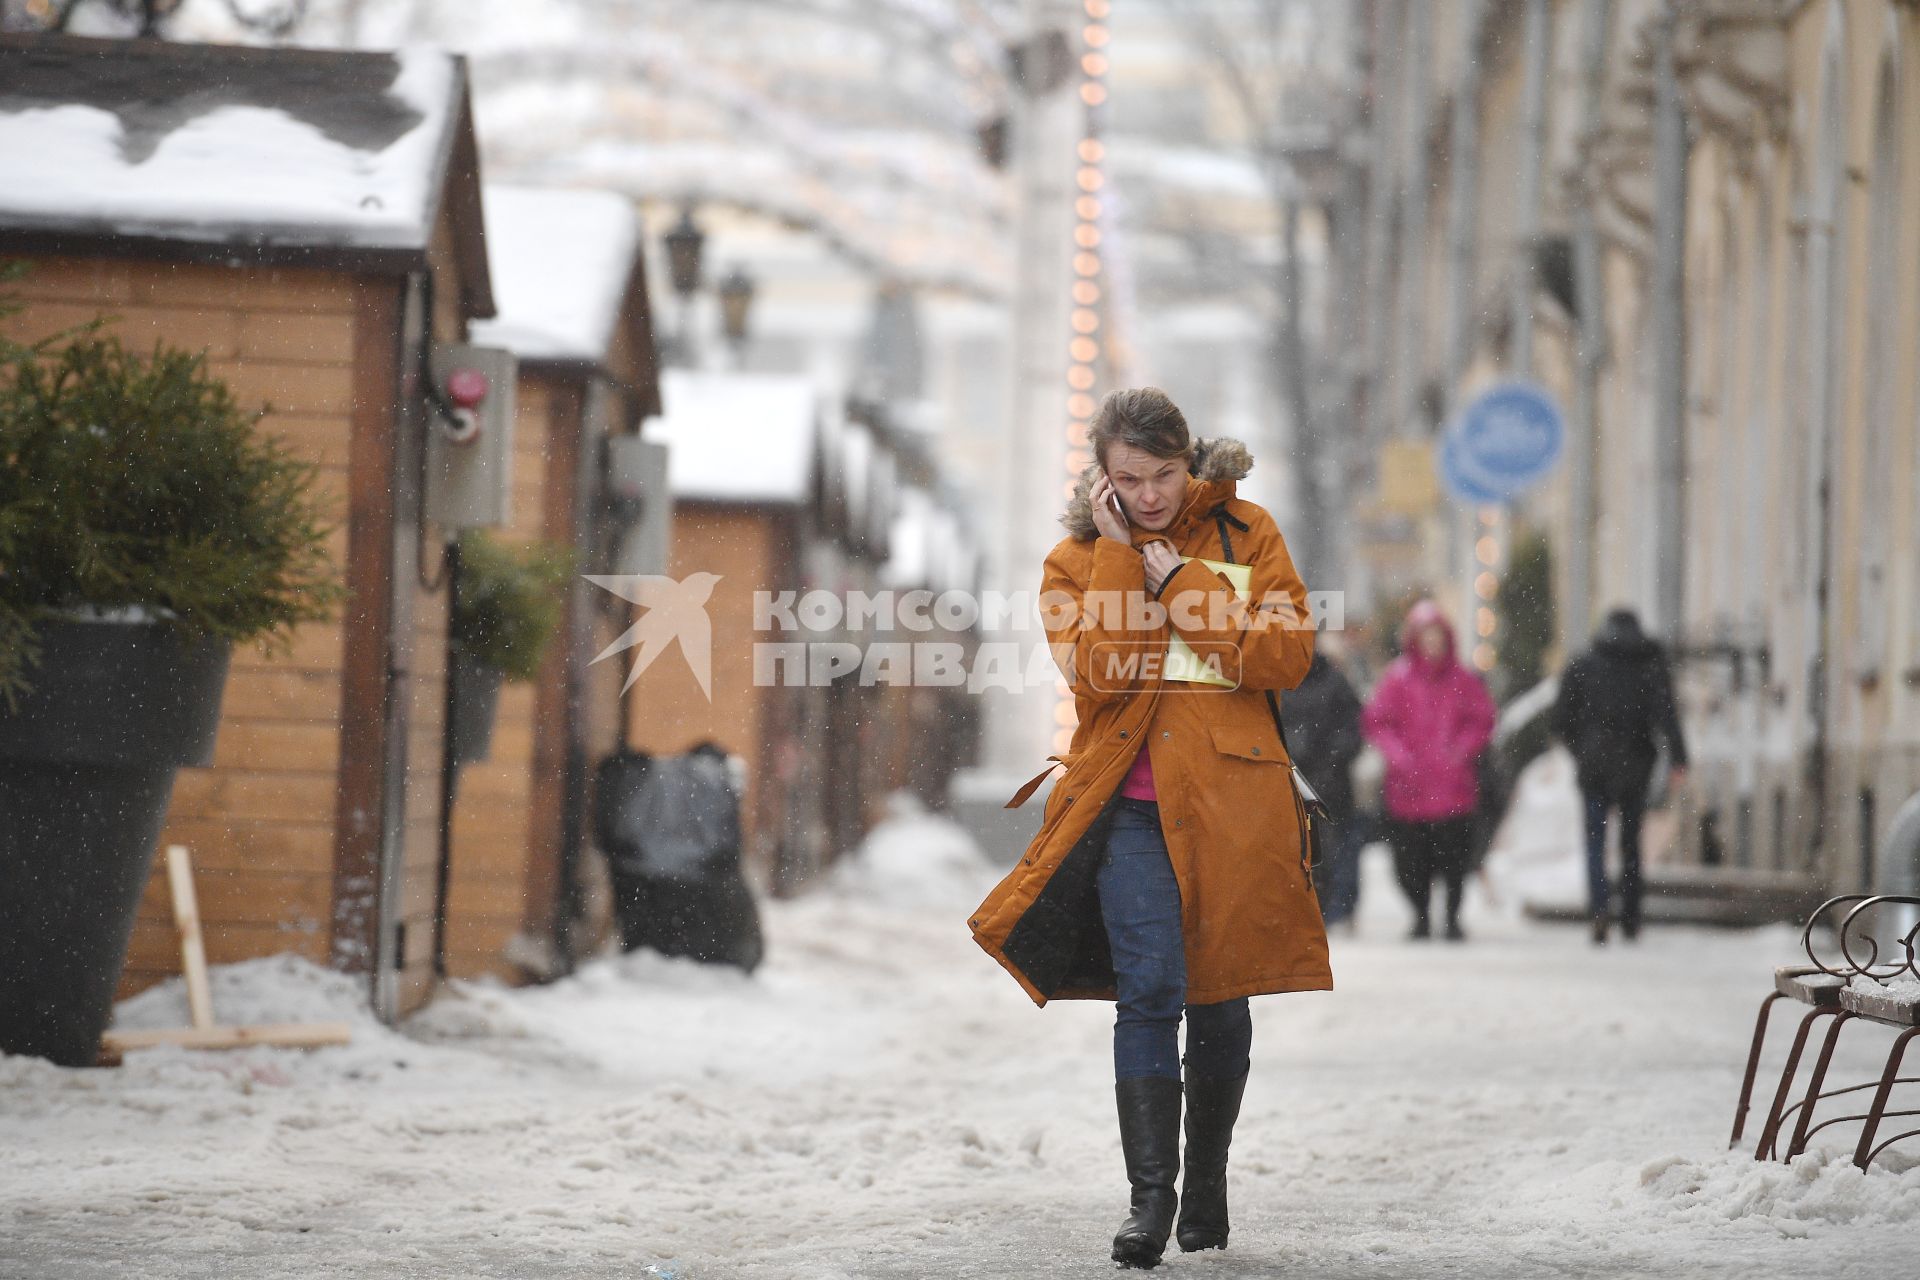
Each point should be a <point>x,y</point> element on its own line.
<point>912,546</point>
<point>930,546</point>
<point>738,437</point>
<point>239,154</point>
<point>566,272</point>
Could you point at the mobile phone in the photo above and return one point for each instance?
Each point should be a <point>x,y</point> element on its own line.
<point>1119,510</point>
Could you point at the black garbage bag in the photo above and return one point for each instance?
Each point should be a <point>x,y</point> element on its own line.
<point>616,797</point>
<point>670,826</point>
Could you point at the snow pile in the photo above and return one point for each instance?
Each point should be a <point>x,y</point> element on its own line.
<point>1540,853</point>
<point>1821,1186</point>
<point>915,859</point>
<point>283,988</point>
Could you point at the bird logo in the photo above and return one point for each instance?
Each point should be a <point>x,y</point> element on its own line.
<point>676,612</point>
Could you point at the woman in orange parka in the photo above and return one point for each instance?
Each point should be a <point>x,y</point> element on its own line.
<point>1169,873</point>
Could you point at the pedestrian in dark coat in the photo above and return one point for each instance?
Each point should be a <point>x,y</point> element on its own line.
<point>1615,706</point>
<point>1323,727</point>
<point>1431,718</point>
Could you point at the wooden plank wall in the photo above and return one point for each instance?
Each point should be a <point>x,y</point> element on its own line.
<point>495,831</point>
<point>667,710</point>
<point>260,820</point>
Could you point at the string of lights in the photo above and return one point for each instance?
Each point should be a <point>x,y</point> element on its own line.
<point>1084,321</point>
<point>1486,587</point>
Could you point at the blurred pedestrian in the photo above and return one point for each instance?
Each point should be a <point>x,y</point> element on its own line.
<point>1615,708</point>
<point>1323,728</point>
<point>1431,718</point>
<point>1169,873</point>
<point>670,826</point>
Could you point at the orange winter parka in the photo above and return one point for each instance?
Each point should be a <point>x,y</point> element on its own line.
<point>1233,825</point>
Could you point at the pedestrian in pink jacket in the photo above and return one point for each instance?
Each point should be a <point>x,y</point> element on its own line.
<point>1430,717</point>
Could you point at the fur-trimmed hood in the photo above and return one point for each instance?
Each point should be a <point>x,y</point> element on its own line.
<point>1213,473</point>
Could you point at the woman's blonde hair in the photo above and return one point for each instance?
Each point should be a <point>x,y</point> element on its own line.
<point>1144,417</point>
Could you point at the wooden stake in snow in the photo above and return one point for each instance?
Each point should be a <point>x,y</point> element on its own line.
<point>193,952</point>
<point>205,1033</point>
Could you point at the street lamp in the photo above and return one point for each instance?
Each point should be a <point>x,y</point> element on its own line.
<point>736,300</point>
<point>684,244</point>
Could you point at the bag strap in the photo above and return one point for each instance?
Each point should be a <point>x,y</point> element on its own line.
<point>1220,520</point>
<point>1304,811</point>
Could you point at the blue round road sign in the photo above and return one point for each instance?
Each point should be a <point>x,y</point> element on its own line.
<point>1460,484</point>
<point>1508,438</point>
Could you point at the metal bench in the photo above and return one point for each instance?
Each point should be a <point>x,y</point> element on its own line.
<point>1874,978</point>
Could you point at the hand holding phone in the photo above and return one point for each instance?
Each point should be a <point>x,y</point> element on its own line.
<point>1109,517</point>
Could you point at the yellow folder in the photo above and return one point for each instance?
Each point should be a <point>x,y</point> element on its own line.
<point>1182,662</point>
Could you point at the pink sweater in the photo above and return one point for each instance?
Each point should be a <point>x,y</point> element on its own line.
<point>1138,784</point>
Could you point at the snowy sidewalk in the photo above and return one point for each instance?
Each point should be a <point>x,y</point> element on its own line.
<point>881,1101</point>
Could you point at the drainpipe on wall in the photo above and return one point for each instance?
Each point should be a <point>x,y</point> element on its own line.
<point>1669,333</point>
<point>1380,200</point>
<point>1463,215</point>
<point>407,553</point>
<point>1533,142</point>
<point>1410,359</point>
<point>1310,447</point>
<point>1591,354</point>
<point>1464,192</point>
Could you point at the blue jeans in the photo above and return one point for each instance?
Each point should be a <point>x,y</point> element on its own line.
<point>1344,841</point>
<point>1631,813</point>
<point>1140,901</point>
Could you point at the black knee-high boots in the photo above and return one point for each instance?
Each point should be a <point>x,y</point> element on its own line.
<point>1150,1140</point>
<point>1212,1108</point>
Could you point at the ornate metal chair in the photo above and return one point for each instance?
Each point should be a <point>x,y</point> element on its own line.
<point>1873,978</point>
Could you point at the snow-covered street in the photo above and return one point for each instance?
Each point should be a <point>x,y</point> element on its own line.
<point>881,1101</point>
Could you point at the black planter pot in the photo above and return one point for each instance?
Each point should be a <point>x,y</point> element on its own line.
<point>475,706</point>
<point>86,771</point>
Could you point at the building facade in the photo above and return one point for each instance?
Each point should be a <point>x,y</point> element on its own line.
<point>1694,223</point>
